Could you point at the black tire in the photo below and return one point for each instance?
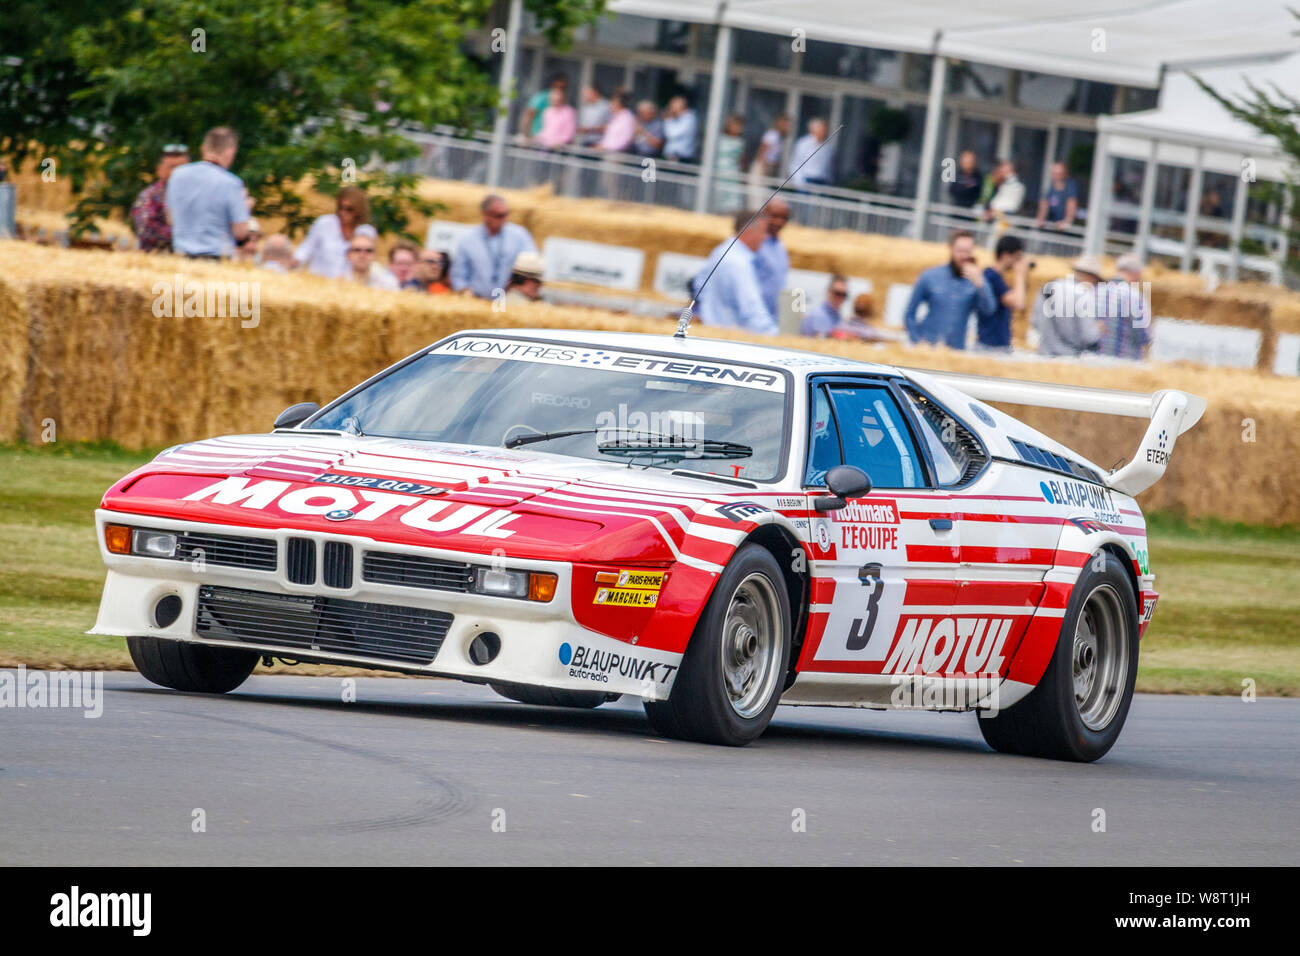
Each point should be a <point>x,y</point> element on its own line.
<point>1050,721</point>
<point>181,665</point>
<point>552,697</point>
<point>700,706</point>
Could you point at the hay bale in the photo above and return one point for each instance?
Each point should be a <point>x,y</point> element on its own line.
<point>88,351</point>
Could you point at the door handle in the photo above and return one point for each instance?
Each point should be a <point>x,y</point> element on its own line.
<point>941,524</point>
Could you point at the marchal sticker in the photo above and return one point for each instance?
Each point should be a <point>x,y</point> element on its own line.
<point>626,597</point>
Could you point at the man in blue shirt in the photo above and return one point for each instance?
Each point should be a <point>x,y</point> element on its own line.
<point>772,260</point>
<point>826,318</point>
<point>952,291</point>
<point>681,131</point>
<point>1060,202</point>
<point>809,163</point>
<point>993,331</point>
<point>207,205</point>
<point>485,255</point>
<point>731,298</point>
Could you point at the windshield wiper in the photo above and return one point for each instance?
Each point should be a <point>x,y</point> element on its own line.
<point>639,444</point>
<point>545,436</point>
<point>670,448</point>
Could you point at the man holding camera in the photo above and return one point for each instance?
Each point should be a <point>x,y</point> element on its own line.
<point>993,330</point>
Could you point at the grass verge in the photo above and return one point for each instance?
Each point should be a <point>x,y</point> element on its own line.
<point>1229,594</point>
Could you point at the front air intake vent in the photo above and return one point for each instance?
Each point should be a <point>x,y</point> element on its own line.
<point>337,566</point>
<point>301,560</point>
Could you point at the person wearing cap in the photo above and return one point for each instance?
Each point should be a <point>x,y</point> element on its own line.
<point>1124,313</point>
<point>1065,314</point>
<point>153,232</point>
<point>249,248</point>
<point>526,278</point>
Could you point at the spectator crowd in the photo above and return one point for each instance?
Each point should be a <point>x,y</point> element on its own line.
<point>201,210</point>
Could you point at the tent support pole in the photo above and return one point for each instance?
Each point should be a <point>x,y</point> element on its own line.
<point>930,142</point>
<point>713,121</point>
<point>505,89</point>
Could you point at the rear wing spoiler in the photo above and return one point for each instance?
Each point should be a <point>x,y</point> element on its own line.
<point>1169,411</point>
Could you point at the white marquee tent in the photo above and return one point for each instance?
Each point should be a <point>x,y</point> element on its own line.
<point>1131,42</point>
<point>1191,129</point>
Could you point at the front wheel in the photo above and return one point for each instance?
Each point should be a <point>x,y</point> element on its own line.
<point>1078,708</point>
<point>735,665</point>
<point>193,667</point>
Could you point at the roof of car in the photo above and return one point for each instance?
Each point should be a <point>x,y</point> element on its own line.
<point>695,345</point>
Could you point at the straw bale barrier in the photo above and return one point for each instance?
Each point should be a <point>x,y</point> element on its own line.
<point>85,349</point>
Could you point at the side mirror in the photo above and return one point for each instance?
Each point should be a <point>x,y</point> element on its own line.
<point>847,481</point>
<point>296,414</point>
<point>843,482</point>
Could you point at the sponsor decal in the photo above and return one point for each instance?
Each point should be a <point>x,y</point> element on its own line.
<point>739,511</point>
<point>868,524</point>
<point>1089,525</point>
<point>626,597</point>
<point>956,645</point>
<point>791,503</point>
<point>983,416</point>
<point>688,369</point>
<point>423,514</point>
<point>380,484</point>
<point>1143,562</point>
<point>1081,494</point>
<point>589,663</point>
<point>637,578</point>
<point>1148,609</point>
<point>561,401</point>
<point>1160,454</point>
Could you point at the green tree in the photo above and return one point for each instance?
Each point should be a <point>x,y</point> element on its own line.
<point>315,88</point>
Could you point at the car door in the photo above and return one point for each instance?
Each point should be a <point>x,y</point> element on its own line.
<point>887,555</point>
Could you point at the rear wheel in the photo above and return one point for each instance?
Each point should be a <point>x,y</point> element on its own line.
<point>181,665</point>
<point>735,666</point>
<point>551,697</point>
<point>1078,708</point>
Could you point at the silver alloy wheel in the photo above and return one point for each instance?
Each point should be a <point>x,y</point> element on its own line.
<point>1100,658</point>
<point>752,648</point>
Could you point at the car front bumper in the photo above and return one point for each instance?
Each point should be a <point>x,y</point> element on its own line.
<point>541,643</point>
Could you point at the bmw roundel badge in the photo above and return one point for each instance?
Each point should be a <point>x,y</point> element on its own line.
<point>339,514</point>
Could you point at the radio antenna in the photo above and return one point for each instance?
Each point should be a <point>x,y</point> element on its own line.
<point>684,321</point>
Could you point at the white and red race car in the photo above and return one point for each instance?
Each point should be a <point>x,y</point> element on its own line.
<point>709,525</point>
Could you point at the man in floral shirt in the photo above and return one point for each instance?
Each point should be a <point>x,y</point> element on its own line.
<point>149,211</point>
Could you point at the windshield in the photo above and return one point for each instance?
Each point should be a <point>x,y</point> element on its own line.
<point>676,412</point>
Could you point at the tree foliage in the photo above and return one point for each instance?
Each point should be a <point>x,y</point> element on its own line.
<point>315,89</point>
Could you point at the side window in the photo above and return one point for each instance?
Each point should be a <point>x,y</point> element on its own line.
<point>824,447</point>
<point>956,452</point>
<point>869,429</point>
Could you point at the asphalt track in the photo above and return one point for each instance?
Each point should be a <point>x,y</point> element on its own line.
<point>418,772</point>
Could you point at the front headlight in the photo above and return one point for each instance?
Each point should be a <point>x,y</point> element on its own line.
<point>532,585</point>
<point>501,583</point>
<point>153,544</point>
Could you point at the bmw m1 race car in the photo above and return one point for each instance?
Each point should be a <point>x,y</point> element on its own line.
<point>712,526</point>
